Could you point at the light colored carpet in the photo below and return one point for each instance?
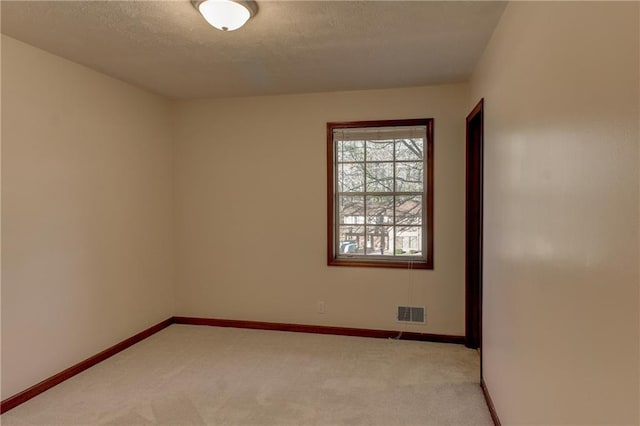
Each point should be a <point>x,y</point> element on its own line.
<point>197,375</point>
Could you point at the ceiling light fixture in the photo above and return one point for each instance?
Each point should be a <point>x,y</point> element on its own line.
<point>226,15</point>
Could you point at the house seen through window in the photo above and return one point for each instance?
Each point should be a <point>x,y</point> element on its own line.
<point>380,193</point>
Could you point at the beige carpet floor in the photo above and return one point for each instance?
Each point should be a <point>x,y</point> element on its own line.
<point>197,375</point>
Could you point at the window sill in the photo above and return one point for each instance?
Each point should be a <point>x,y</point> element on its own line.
<point>397,264</point>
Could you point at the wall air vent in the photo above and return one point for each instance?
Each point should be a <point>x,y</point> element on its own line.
<point>411,314</point>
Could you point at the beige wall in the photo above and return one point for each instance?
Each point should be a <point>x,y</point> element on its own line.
<point>86,213</point>
<point>250,188</point>
<point>560,82</point>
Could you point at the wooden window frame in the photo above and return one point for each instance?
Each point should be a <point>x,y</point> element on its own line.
<point>427,261</point>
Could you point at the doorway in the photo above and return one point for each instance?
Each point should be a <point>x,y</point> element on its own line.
<point>473,226</point>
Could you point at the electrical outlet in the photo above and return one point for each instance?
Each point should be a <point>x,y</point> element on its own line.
<point>321,307</point>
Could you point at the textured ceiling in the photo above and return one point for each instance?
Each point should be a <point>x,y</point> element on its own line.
<point>289,47</point>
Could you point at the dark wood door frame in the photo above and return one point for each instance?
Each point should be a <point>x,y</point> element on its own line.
<point>473,226</point>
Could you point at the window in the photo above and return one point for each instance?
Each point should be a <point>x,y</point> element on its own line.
<point>380,193</point>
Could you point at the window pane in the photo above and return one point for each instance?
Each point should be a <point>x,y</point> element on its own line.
<point>380,150</point>
<point>351,177</point>
<point>378,240</point>
<point>409,177</point>
<point>350,151</point>
<point>408,240</point>
<point>351,240</point>
<point>351,209</point>
<point>409,210</point>
<point>380,210</point>
<point>379,177</point>
<point>410,149</point>
<point>379,193</point>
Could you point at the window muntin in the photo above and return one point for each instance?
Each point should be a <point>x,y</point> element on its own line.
<point>381,193</point>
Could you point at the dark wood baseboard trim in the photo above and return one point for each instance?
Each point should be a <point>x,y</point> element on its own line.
<point>492,408</point>
<point>322,329</point>
<point>46,384</point>
<point>24,396</point>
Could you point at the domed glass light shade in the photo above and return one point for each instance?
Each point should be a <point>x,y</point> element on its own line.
<point>226,15</point>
